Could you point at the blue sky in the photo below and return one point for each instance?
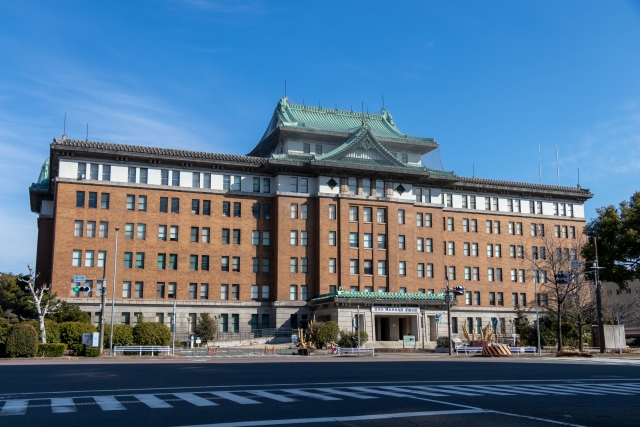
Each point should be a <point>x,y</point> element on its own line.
<point>488,80</point>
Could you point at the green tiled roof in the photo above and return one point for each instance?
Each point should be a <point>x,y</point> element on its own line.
<point>382,295</point>
<point>288,114</point>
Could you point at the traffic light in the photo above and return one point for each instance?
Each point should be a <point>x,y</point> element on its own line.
<point>563,278</point>
<point>458,290</point>
<point>78,288</point>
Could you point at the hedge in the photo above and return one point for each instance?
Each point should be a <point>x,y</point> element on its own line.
<point>350,339</point>
<point>51,329</point>
<point>91,352</point>
<point>148,333</point>
<point>122,335</point>
<point>71,332</point>
<point>77,349</point>
<point>22,340</point>
<point>51,350</point>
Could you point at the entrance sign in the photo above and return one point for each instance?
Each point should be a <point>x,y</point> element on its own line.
<point>415,310</point>
<point>409,340</point>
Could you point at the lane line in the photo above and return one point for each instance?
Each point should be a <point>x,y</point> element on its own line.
<point>63,405</point>
<point>195,400</point>
<point>272,396</point>
<point>461,382</point>
<point>109,403</point>
<point>346,393</point>
<point>339,419</point>
<point>14,407</point>
<point>309,394</point>
<point>235,398</point>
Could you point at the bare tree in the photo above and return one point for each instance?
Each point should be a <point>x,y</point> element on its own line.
<point>42,300</point>
<point>623,305</point>
<point>581,306</point>
<point>544,263</point>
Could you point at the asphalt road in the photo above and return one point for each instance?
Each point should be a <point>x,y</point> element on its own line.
<point>297,390</point>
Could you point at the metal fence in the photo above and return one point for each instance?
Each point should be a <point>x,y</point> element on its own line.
<point>236,351</point>
<point>255,333</point>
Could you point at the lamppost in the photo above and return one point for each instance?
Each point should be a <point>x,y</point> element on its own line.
<point>113,293</point>
<point>536,276</point>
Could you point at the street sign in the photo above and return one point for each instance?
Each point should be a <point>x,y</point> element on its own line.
<point>447,299</point>
<point>79,279</point>
<point>575,264</point>
<point>494,322</point>
<point>438,318</point>
<point>409,340</point>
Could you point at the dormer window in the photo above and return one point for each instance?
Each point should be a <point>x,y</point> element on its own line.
<point>306,148</point>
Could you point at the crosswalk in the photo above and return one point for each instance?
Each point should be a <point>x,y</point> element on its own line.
<point>66,405</point>
<point>628,361</point>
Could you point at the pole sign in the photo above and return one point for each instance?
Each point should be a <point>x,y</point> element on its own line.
<point>79,279</point>
<point>438,318</point>
<point>575,264</point>
<point>447,299</point>
<point>494,322</point>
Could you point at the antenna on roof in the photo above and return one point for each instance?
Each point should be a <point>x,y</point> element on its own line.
<point>557,165</point>
<point>87,132</point>
<point>539,165</point>
<point>383,100</point>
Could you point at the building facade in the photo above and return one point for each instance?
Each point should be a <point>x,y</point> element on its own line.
<point>330,214</point>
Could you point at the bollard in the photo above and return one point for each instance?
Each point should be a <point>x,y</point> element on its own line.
<point>216,352</point>
<point>208,350</point>
<point>266,351</point>
<point>273,350</point>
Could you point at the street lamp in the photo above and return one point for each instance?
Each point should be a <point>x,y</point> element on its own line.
<point>113,293</point>
<point>535,298</point>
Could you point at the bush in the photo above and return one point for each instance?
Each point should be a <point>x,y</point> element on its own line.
<point>22,340</point>
<point>92,351</point>
<point>350,339</point>
<point>77,349</point>
<point>148,333</point>
<point>325,333</point>
<point>122,335</point>
<point>51,350</point>
<point>4,330</point>
<point>71,332</point>
<point>51,329</point>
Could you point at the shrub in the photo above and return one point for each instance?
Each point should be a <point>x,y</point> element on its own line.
<point>51,329</point>
<point>4,330</point>
<point>22,340</point>
<point>122,335</point>
<point>324,333</point>
<point>206,327</point>
<point>92,351</point>
<point>51,350</point>
<point>77,349</point>
<point>148,333</point>
<point>71,332</point>
<point>350,339</point>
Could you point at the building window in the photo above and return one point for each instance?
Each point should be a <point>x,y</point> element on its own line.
<point>368,241</point>
<point>420,244</point>
<point>382,241</point>
<point>175,205</point>
<point>405,158</point>
<point>255,294</point>
<point>293,265</point>
<point>490,274</point>
<point>332,265</point>
<point>353,185</point>
<point>162,261</point>
<point>420,269</point>
<point>128,231</point>
<point>427,220</point>
<point>294,211</point>
<point>488,227</point>
<point>88,258</point>
<point>304,265</point>
<point>204,291</point>
<point>106,172</point>
<point>402,268</point>
<point>77,228</point>
<point>265,297</point>
<point>175,178</point>
<point>236,236</point>
<point>224,292</point>
<point>266,185</point>
<point>79,199</point>
<point>139,259</point>
<point>193,262</point>
<point>467,298</point>
<point>104,201</point>
<point>237,209</point>
<point>193,290</point>
<point>235,263</point>
<point>332,238</point>
<point>206,232</point>
<point>195,206</point>
<point>141,232</point>
<point>164,177</point>
<point>401,242</point>
<point>162,232</point>
<point>206,180</point>
<point>332,211</point>
<point>476,298</point>
<point>293,238</point>
<point>381,214</point>
<point>353,213</point>
<point>173,233</point>
<point>368,267</point>
<point>128,260</point>
<point>430,270</point>
<point>401,216</point>
<point>235,292</point>
<point>353,266</point>
<point>382,268</point>
<point>255,265</point>
<point>171,292</point>
<point>265,265</point>
<point>293,292</point>
<point>266,238</point>
<point>303,211</point>
<point>226,208</point>
<point>225,263</point>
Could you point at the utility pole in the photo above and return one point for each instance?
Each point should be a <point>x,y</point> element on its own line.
<point>173,330</point>
<point>103,289</point>
<point>535,296</point>
<point>596,274</point>
<point>358,329</point>
<point>113,293</point>
<point>447,300</point>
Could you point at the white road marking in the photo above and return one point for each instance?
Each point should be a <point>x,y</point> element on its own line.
<point>340,419</point>
<point>455,389</point>
<point>519,390</point>
<point>346,393</point>
<point>63,405</point>
<point>235,398</point>
<point>610,389</point>
<point>559,390</point>
<point>109,403</point>
<point>14,407</point>
<point>489,389</point>
<point>384,393</point>
<point>152,401</point>
<point>309,394</point>
<point>272,396</point>
<point>413,391</point>
<point>195,400</point>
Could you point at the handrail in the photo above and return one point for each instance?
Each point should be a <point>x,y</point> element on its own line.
<point>354,350</point>
<point>141,348</point>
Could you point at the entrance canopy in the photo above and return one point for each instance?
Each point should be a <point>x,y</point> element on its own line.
<point>365,299</point>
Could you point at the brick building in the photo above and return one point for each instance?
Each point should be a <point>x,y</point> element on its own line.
<point>331,211</point>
